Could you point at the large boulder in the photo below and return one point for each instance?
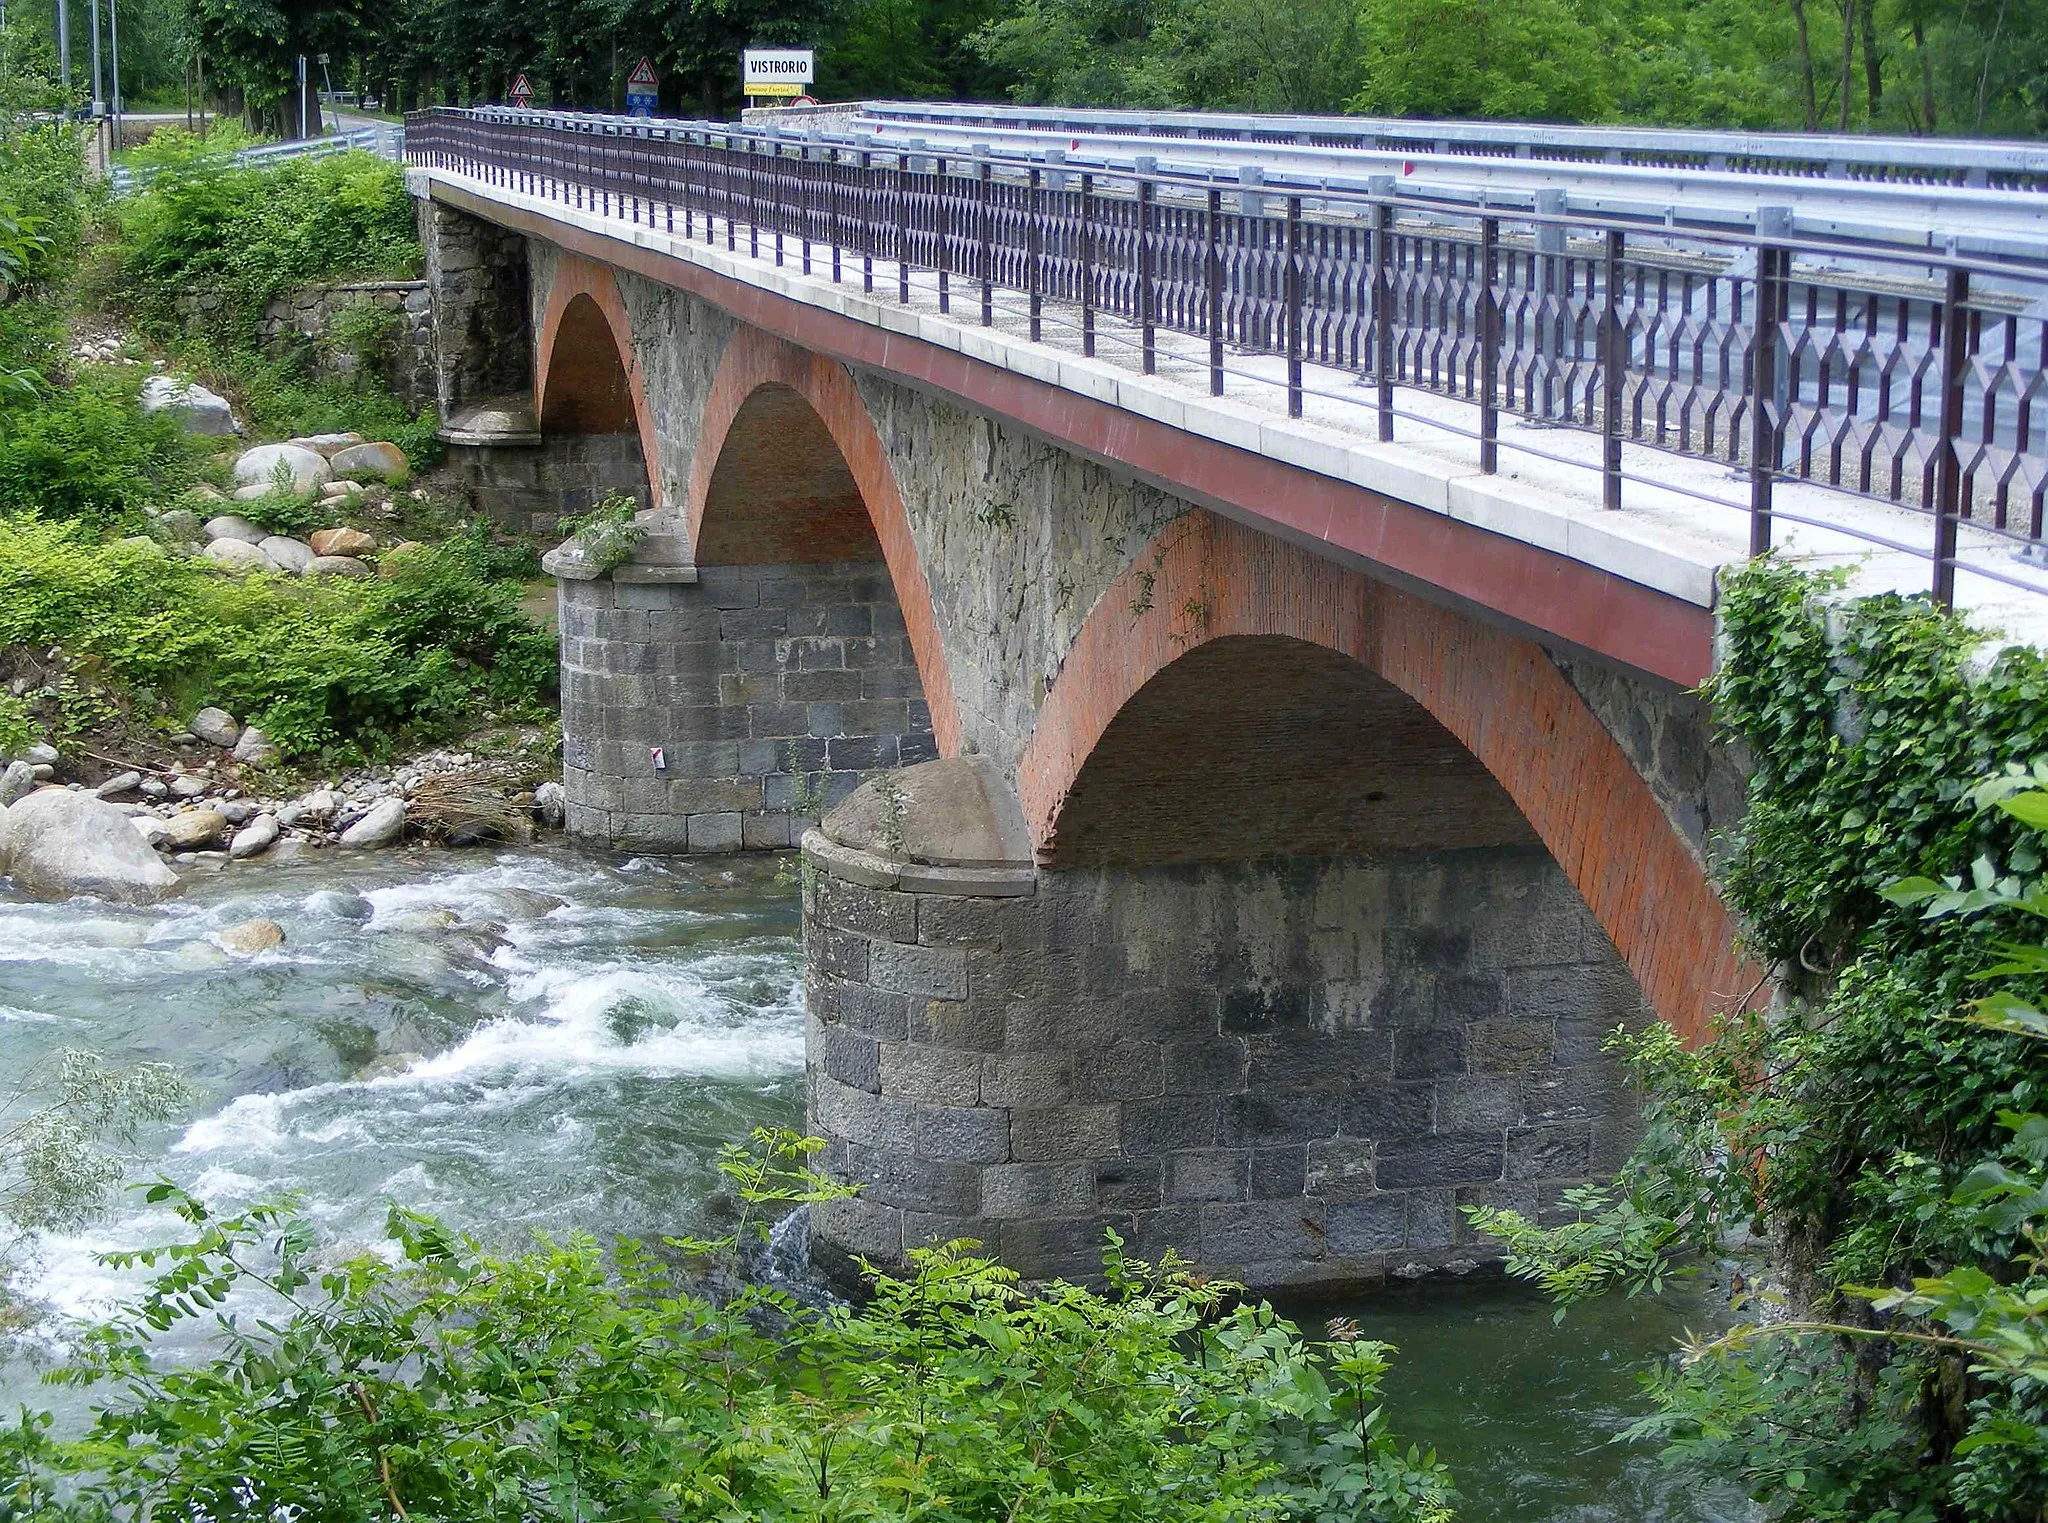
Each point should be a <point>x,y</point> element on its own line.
<point>234,526</point>
<point>375,462</point>
<point>258,467</point>
<point>255,748</point>
<point>238,555</point>
<point>199,410</point>
<point>384,824</point>
<point>338,565</point>
<point>341,542</point>
<point>56,843</point>
<point>329,445</point>
<point>217,727</point>
<point>291,555</point>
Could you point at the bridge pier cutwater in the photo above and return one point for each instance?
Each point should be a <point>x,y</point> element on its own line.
<point>1167,869</point>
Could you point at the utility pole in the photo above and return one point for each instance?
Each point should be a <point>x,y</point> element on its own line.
<point>64,48</point>
<point>99,99</point>
<point>114,47</point>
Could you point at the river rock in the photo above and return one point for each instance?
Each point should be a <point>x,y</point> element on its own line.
<point>249,938</point>
<point>551,803</point>
<point>193,828</point>
<point>56,843</point>
<point>41,754</point>
<point>120,783</point>
<point>291,555</point>
<point>254,838</point>
<point>235,526</point>
<point>16,783</point>
<point>150,828</point>
<point>180,526</point>
<point>527,903</point>
<point>384,823</point>
<point>217,727</point>
<point>328,445</point>
<point>338,565</point>
<point>379,461</point>
<point>250,493</point>
<point>342,542</point>
<point>421,923</point>
<point>339,904</point>
<point>337,489</point>
<point>256,467</point>
<point>199,410</point>
<point>189,787</point>
<point>255,748</point>
<point>234,811</point>
<point>238,555</point>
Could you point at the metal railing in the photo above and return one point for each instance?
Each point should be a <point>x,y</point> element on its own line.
<point>1917,386</point>
<point>1808,155</point>
<point>386,142</point>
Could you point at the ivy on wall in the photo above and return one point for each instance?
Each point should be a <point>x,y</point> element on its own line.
<point>1898,1370</point>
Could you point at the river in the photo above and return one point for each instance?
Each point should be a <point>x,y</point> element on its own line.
<point>546,1040</point>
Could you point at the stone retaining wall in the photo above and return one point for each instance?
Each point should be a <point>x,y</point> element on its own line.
<point>772,692</point>
<point>1293,1073</point>
<point>302,326</point>
<point>529,489</point>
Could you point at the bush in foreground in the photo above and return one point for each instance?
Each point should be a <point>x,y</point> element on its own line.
<point>452,1384</point>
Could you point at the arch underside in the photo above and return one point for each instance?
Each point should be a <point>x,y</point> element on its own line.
<point>1269,703</point>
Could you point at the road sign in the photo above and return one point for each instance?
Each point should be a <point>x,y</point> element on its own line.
<point>643,85</point>
<point>522,91</point>
<point>776,71</point>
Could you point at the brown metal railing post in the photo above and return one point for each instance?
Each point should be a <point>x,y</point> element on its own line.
<point>866,224</point>
<point>903,228</point>
<point>1948,466</point>
<point>1212,280</point>
<point>1383,315</point>
<point>1088,265</point>
<point>753,197</point>
<point>1613,374</point>
<point>944,223</point>
<point>1034,272</point>
<point>1771,266</point>
<point>1294,283</point>
<point>1148,330</point>
<point>985,254</point>
<point>1489,347</point>
<point>775,191</point>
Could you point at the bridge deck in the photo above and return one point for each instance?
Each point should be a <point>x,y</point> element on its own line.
<point>1679,519</point>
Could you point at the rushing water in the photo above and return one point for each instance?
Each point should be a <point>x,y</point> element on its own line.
<point>547,1041</point>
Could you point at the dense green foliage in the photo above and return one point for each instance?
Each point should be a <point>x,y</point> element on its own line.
<point>446,1383</point>
<point>244,235</point>
<point>1889,860</point>
<point>334,665</point>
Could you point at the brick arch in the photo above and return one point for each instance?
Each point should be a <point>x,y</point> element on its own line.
<point>756,366</point>
<point>567,364</point>
<point>1499,695</point>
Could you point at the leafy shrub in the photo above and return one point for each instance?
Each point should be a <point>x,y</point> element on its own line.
<point>250,233</point>
<point>43,179</point>
<point>326,665</point>
<point>608,534</point>
<point>88,452</point>
<point>442,1382</point>
<point>279,401</point>
<point>17,725</point>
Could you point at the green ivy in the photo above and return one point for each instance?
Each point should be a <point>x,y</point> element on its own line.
<point>1844,1124</point>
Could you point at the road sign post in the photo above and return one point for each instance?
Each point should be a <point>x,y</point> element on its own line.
<point>522,92</point>
<point>643,86</point>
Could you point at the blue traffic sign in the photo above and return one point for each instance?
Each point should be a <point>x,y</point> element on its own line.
<point>643,88</point>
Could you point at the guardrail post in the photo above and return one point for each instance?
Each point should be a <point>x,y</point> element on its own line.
<point>1294,306</point>
<point>1034,272</point>
<point>1148,333</point>
<point>1771,267</point>
<point>1212,279</point>
<point>1489,347</point>
<point>866,203</point>
<point>1613,374</point>
<point>1383,313</point>
<point>1088,265</point>
<point>985,216</point>
<point>1948,466</point>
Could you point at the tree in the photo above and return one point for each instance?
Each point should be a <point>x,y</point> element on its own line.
<point>1536,60</point>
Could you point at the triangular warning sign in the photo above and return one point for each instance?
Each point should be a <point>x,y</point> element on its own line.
<point>522,89</point>
<point>643,75</point>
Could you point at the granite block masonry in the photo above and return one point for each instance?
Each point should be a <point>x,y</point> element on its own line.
<point>769,692</point>
<point>1293,1072</point>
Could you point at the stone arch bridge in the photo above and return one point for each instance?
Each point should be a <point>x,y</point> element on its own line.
<point>1258,827</point>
